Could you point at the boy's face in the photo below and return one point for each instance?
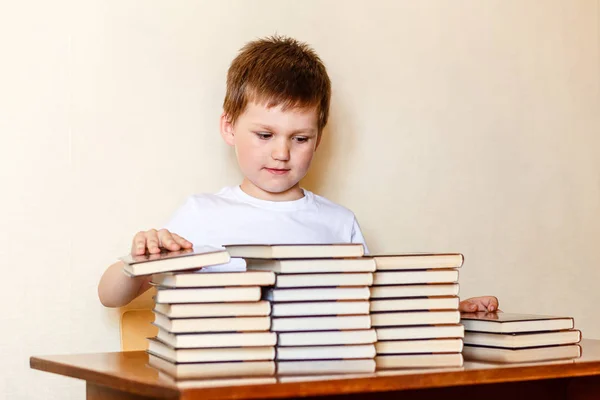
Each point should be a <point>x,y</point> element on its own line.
<point>274,149</point>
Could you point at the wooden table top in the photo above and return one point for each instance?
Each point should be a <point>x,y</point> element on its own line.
<point>128,371</point>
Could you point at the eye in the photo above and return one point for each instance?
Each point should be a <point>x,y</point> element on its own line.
<point>301,139</point>
<point>264,135</point>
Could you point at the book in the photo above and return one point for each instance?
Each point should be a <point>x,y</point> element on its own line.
<point>298,324</point>
<point>212,370</point>
<point>313,308</point>
<point>414,277</point>
<point>321,377</point>
<point>316,266</point>
<point>502,322</point>
<point>418,261</point>
<point>248,309</point>
<point>420,332</point>
<point>419,360</point>
<point>217,340</point>
<point>208,295</point>
<point>326,352</point>
<point>324,280</point>
<point>326,338</point>
<point>235,264</point>
<point>314,294</point>
<point>325,367</point>
<point>214,279</point>
<point>430,303</point>
<point>216,382</point>
<point>398,318</point>
<point>399,291</point>
<point>521,340</point>
<point>531,354</point>
<point>417,371</point>
<point>174,355</point>
<point>165,261</point>
<point>225,324</point>
<point>286,251</point>
<point>419,346</point>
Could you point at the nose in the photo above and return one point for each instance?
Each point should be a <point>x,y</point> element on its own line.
<point>281,150</point>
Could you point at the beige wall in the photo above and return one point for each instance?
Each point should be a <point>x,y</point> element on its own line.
<point>467,126</point>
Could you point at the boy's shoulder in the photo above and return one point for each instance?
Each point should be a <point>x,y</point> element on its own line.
<point>327,205</point>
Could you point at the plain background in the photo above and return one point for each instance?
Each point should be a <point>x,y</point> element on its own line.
<point>469,126</point>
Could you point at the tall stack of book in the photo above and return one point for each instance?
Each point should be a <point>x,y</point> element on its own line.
<point>211,324</point>
<point>519,338</point>
<point>414,310</point>
<point>320,306</point>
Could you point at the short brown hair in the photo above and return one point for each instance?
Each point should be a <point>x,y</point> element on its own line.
<point>278,70</point>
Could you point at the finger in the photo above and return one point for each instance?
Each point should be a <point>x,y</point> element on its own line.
<point>167,241</point>
<point>152,242</point>
<point>490,302</point>
<point>138,246</point>
<point>467,306</point>
<point>181,241</point>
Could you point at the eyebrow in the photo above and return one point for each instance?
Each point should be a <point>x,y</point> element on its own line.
<point>297,131</point>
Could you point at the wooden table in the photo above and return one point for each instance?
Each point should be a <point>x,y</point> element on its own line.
<point>125,375</point>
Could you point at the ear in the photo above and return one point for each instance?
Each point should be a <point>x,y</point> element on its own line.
<point>227,129</point>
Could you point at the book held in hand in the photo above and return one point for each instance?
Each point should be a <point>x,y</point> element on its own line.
<point>167,261</point>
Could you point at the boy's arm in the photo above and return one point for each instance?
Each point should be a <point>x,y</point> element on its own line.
<point>357,236</point>
<point>117,289</point>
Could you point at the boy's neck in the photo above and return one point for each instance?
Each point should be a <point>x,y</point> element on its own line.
<point>293,193</point>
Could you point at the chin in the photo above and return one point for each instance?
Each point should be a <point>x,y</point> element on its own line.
<point>275,187</point>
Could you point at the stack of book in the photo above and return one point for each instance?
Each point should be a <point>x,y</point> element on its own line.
<point>414,310</point>
<point>320,306</point>
<point>519,338</point>
<point>211,324</point>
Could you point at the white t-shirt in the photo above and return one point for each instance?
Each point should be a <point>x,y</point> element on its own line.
<point>233,217</point>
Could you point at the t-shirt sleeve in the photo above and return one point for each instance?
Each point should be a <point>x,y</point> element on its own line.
<point>357,236</point>
<point>183,221</point>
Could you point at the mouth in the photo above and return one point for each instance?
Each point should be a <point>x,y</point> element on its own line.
<point>278,171</point>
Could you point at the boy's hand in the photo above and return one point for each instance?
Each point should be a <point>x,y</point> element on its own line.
<point>484,303</point>
<point>154,241</point>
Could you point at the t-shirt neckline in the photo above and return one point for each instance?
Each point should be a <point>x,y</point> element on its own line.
<point>273,205</point>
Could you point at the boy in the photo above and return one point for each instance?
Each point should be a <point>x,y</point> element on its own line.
<point>276,106</point>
